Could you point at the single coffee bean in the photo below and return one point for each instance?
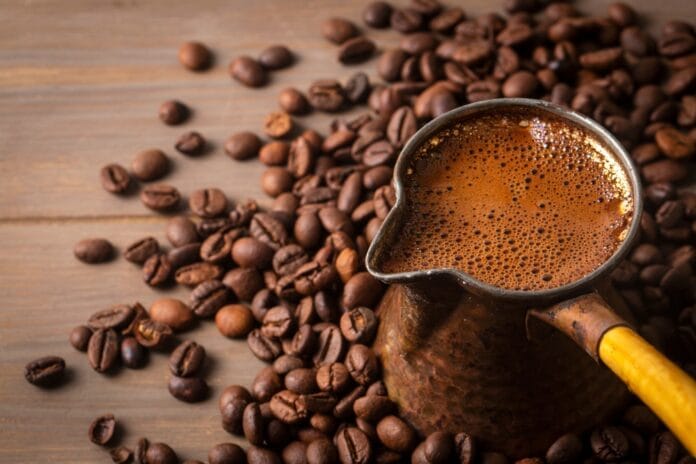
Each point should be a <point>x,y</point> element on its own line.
<point>188,389</point>
<point>181,231</point>
<point>242,145</point>
<point>276,57</point>
<point>353,446</point>
<point>160,197</point>
<point>321,451</point>
<point>79,337</point>
<point>139,251</point>
<point>406,20</point>
<point>121,455</point>
<point>333,378</point>
<point>303,342</point>
<point>266,384</point>
<point>133,355</point>
<point>187,359</point>
<point>338,30</point>
<point>287,407</point>
<point>150,165</point>
<point>295,453</point>
<point>361,290</point>
<point>357,88</point>
<point>359,325</point>
<point>609,444</point>
<point>173,112</point>
<point>172,312</point>
<point>117,317</point>
<point>674,144</point>
<point>362,364</point>
<point>285,363</point>
<point>356,50</point>
<point>465,448</point>
<point>234,321</point>
<point>256,455</point>
<point>102,429</point>
<point>218,246</point>
<point>196,273</point>
<point>275,181</point>
<point>250,252</point>
<point>244,282</point>
<point>152,334</point>
<point>372,408</point>
<point>330,348</point>
<point>93,250</point>
<point>114,178</point>
<point>190,143</point>
<point>521,84</point>
<point>326,95</point>
<point>158,453</point>
<point>377,14</point>
<point>226,453</point>
<point>264,348</point>
<point>194,56</point>
<point>278,124</point>
<point>208,297</point>
<point>157,270</point>
<point>396,434</point>
<point>252,424</point>
<point>208,203</point>
<point>247,71</point>
<point>566,449</point>
<point>103,350</point>
<point>301,380</point>
<point>664,448</point>
<point>45,372</point>
<point>274,153</point>
<point>293,101</point>
<point>344,407</point>
<point>277,322</point>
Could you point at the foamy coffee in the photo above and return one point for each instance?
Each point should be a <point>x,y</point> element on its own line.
<point>517,198</point>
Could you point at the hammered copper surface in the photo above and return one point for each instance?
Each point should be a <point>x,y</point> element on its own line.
<point>465,364</point>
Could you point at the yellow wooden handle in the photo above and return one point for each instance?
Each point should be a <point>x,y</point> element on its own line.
<point>666,389</point>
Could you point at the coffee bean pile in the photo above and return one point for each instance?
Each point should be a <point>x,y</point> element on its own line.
<point>291,279</point>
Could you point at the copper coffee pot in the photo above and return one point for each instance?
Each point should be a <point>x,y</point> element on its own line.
<point>461,355</point>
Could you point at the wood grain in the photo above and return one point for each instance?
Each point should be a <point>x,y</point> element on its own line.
<point>80,84</point>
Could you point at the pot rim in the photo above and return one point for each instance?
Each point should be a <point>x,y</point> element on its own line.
<point>467,281</point>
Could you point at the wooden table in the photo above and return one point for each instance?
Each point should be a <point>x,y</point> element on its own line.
<point>80,85</point>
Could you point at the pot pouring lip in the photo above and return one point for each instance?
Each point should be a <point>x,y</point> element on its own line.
<point>469,283</point>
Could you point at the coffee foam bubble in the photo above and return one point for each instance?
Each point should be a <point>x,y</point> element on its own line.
<point>518,202</point>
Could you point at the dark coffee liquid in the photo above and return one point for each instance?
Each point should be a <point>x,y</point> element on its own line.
<point>520,200</point>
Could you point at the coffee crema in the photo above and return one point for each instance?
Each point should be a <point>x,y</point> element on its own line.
<point>517,198</point>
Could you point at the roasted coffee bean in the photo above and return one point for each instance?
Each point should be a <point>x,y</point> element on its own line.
<point>301,380</point>
<point>152,334</point>
<point>276,57</point>
<point>642,419</point>
<point>155,453</point>
<point>149,165</point>
<point>402,125</point>
<point>293,101</point>
<point>79,337</point>
<point>269,230</point>
<point>264,348</point>
<point>190,143</point>
<point>234,321</point>
<point>312,277</point>
<point>232,413</point>
<point>172,312</point>
<point>396,434</point>
<point>157,269</point>
<point>359,325</point>
<point>242,145</point>
<point>139,251</point>
<point>288,259</point>
<point>133,355</point>
<point>274,153</point>
<point>121,455</point>
<point>252,424</point>
<point>276,181</point>
<point>160,197</point>
<point>278,124</point>
<point>173,112</point>
<point>287,407</point>
<point>286,363</point>
<point>438,448</point>
<point>117,317</point>
<point>181,231</point>
<point>208,203</point>
<point>196,273</point>
<point>208,297</point>
<point>114,178</point>
<point>303,342</point>
<point>103,350</point>
<point>188,389</point>
<point>277,322</point>
<point>465,448</point>
<point>361,290</point>
<point>353,446</point>
<point>372,408</point>
<point>266,384</point>
<point>330,347</point>
<point>362,364</point>
<point>93,250</point>
<point>357,88</point>
<point>356,50</point>
<point>247,71</point>
<point>567,448</point>
<point>347,263</point>
<point>321,451</point>
<point>244,282</point>
<point>377,14</point>
<point>333,377</point>
<point>256,455</point>
<point>674,144</point>
<point>338,30</point>
<point>226,453</point>
<point>664,448</point>
<point>609,444</point>
<point>217,247</point>
<point>250,252</point>
<point>194,56</point>
<point>102,429</point>
<point>326,95</point>
<point>45,372</point>
<point>295,453</point>
<point>406,20</point>
<point>187,359</point>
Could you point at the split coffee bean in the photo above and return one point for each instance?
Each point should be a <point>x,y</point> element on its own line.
<point>139,251</point>
<point>102,429</point>
<point>187,359</point>
<point>103,350</point>
<point>45,372</point>
<point>114,178</point>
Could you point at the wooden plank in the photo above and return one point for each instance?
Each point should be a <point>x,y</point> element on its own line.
<point>80,84</point>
